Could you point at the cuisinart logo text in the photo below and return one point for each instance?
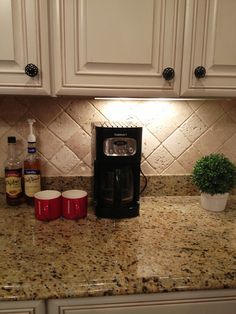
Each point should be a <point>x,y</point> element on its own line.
<point>120,134</point>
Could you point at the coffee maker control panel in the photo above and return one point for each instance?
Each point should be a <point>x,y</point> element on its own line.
<point>119,146</point>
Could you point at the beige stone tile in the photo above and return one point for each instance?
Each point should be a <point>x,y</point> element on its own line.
<point>65,101</point>
<point>2,97</point>
<point>24,100</point>
<point>231,112</point>
<point>20,142</point>
<point>47,169</point>
<point>208,143</point>
<point>224,128</point>
<point>65,160</point>
<point>88,160</point>
<point>4,127</point>
<point>80,143</point>
<point>174,169</point>
<point>11,110</point>
<point>169,119</point>
<point>147,169</point>
<point>228,153</point>
<point>176,143</point>
<point>81,170</point>
<point>215,136</point>
<point>3,158</point>
<point>181,111</point>
<point>193,127</point>
<point>44,109</point>
<point>149,143</point>
<point>114,110</point>
<point>148,111</point>
<point>48,144</point>
<point>63,126</point>
<point>84,113</point>
<point>189,158</point>
<point>229,148</point>
<point>210,111</point>
<point>195,104</point>
<point>160,159</point>
<point>162,127</point>
<point>228,105</point>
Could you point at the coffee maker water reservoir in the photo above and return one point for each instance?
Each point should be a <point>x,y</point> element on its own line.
<point>116,158</point>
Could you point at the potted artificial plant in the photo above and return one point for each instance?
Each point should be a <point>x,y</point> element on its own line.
<point>215,176</point>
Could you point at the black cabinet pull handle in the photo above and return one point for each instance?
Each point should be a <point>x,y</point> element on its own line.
<point>31,70</point>
<point>168,74</point>
<point>200,72</point>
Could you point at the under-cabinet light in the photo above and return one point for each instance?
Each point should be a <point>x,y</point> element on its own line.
<point>159,99</point>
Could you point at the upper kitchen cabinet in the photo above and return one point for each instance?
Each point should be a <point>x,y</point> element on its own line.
<point>117,47</point>
<point>24,41</point>
<point>209,49</point>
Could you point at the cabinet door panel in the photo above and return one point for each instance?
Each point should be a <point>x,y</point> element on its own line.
<point>149,308</point>
<point>22,307</point>
<point>209,42</point>
<point>194,302</point>
<point>117,47</point>
<point>23,35</point>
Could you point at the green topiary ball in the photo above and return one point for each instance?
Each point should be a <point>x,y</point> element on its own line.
<point>214,174</point>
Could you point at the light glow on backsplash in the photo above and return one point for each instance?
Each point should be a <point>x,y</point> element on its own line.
<point>175,132</point>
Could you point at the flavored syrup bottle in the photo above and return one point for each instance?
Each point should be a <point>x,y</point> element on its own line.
<point>32,178</point>
<point>13,175</point>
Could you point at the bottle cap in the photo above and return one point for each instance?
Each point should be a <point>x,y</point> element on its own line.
<point>31,137</point>
<point>11,139</point>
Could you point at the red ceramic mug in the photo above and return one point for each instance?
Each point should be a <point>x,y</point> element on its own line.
<point>47,205</point>
<point>74,204</point>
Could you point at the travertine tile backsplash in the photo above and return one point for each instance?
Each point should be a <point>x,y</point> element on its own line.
<point>175,133</point>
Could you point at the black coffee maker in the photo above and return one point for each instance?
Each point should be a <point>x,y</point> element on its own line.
<point>116,154</point>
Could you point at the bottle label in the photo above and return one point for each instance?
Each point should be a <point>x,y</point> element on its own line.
<point>13,180</point>
<point>31,150</point>
<point>32,182</point>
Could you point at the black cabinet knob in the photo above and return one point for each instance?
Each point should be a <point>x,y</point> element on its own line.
<point>31,70</point>
<point>200,72</point>
<point>168,74</point>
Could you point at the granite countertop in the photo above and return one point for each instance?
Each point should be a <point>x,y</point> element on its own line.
<point>173,245</point>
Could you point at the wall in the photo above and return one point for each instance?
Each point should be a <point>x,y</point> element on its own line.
<point>175,133</point>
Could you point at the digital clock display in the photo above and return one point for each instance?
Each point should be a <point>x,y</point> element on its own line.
<point>120,143</point>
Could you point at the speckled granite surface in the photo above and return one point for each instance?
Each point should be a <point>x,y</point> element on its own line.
<point>157,185</point>
<point>162,185</point>
<point>173,245</point>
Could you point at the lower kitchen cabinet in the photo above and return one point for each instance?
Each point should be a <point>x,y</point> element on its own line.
<point>22,307</point>
<point>197,302</point>
<point>194,302</point>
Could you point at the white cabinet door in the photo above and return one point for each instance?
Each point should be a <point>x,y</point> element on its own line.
<point>202,302</point>
<point>210,41</point>
<point>117,47</point>
<point>22,307</point>
<point>24,40</point>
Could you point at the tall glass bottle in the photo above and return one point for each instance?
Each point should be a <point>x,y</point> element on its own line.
<point>32,179</point>
<point>13,175</point>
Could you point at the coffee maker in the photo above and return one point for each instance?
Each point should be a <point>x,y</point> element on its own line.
<point>116,153</point>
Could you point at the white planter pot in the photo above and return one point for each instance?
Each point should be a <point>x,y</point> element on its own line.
<point>216,202</point>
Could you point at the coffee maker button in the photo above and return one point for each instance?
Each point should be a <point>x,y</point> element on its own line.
<point>131,150</point>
